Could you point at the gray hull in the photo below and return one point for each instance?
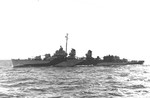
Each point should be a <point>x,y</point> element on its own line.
<point>117,63</point>
<point>110,63</point>
<point>27,63</point>
<point>68,63</point>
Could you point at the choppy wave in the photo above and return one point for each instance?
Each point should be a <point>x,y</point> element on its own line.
<point>75,82</point>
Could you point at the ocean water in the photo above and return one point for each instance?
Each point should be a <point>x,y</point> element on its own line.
<point>130,81</point>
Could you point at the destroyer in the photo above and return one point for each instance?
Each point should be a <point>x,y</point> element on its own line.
<point>60,59</point>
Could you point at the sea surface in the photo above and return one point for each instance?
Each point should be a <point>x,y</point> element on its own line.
<point>130,81</point>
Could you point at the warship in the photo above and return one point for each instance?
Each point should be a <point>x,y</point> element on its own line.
<point>62,59</point>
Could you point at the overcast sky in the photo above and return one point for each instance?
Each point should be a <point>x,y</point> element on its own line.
<point>35,27</point>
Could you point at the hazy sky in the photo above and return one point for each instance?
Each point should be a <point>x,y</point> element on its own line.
<point>35,27</point>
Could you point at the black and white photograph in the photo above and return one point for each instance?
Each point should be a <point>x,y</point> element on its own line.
<point>74,49</point>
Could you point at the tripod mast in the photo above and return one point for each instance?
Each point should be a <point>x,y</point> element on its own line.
<point>66,41</point>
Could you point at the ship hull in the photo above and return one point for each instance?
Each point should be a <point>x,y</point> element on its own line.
<point>63,62</point>
<point>36,63</point>
<point>29,63</point>
<point>68,63</point>
<point>118,63</point>
<point>137,62</point>
<point>110,63</point>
